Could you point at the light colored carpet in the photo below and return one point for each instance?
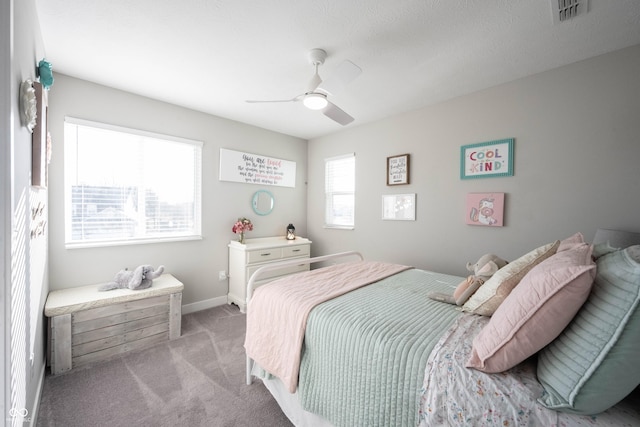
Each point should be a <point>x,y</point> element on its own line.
<point>196,380</point>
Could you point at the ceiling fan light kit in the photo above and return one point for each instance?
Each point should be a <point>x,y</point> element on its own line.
<point>315,101</point>
<point>315,96</point>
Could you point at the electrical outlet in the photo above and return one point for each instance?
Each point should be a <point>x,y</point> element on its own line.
<point>222,275</point>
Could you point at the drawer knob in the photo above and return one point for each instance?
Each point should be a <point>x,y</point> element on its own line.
<point>266,254</point>
<point>296,250</point>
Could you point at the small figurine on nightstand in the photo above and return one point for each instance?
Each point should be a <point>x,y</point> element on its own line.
<point>291,232</point>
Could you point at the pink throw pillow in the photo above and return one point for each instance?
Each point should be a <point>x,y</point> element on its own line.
<point>536,311</point>
<point>571,242</point>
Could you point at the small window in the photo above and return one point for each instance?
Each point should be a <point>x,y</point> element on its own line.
<point>127,186</point>
<point>340,183</point>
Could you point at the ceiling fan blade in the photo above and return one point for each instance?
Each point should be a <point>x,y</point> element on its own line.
<point>314,82</point>
<point>258,101</point>
<point>336,114</point>
<point>343,75</point>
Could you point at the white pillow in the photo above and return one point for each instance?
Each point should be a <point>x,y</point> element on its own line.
<point>486,300</point>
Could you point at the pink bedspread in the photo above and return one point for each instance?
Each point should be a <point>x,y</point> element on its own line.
<point>277,313</point>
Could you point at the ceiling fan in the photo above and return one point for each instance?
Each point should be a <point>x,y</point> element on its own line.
<point>317,91</point>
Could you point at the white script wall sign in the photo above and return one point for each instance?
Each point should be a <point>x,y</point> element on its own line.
<point>237,166</point>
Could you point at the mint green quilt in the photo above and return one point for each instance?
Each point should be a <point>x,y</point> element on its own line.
<point>365,352</point>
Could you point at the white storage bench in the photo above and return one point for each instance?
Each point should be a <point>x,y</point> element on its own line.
<point>86,325</point>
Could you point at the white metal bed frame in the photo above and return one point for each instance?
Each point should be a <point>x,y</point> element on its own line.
<point>277,265</point>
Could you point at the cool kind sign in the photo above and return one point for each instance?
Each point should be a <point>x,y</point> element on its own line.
<point>487,159</point>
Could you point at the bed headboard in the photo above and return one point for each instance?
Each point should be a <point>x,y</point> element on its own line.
<point>616,238</point>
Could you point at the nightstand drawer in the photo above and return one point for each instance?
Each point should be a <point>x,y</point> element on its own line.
<point>295,251</point>
<point>263,255</point>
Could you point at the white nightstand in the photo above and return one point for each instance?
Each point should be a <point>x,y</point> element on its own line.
<point>245,258</point>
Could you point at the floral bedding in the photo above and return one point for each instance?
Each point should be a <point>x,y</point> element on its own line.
<point>453,395</point>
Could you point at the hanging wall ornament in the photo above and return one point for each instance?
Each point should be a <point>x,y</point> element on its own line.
<point>46,74</point>
<point>28,107</point>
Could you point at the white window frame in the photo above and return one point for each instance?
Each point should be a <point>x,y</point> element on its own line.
<point>330,219</point>
<point>142,234</point>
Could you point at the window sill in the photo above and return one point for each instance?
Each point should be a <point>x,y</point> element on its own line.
<point>339,227</point>
<point>106,243</point>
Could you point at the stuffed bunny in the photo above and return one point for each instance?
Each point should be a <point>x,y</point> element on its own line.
<point>482,270</point>
<point>140,278</point>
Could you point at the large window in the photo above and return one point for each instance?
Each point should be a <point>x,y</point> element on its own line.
<point>129,186</point>
<point>340,184</point>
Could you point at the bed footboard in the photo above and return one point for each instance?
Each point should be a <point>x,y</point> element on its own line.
<point>277,265</point>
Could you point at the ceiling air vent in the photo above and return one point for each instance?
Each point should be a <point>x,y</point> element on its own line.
<point>563,10</point>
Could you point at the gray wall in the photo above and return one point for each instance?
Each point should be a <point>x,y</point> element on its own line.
<point>22,295</point>
<point>195,263</point>
<point>577,148</point>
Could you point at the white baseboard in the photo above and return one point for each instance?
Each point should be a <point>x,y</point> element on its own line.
<point>203,305</point>
<point>36,405</point>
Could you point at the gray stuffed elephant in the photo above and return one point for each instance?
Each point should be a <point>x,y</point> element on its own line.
<point>482,270</point>
<point>140,278</point>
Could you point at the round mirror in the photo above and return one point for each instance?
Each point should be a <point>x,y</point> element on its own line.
<point>262,202</point>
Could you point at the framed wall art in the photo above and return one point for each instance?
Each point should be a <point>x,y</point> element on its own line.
<point>248,168</point>
<point>399,207</point>
<point>398,169</point>
<point>485,209</point>
<point>487,159</point>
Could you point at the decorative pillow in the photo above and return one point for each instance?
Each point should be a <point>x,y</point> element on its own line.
<point>536,311</point>
<point>601,249</point>
<point>489,296</point>
<point>593,364</point>
<point>570,242</point>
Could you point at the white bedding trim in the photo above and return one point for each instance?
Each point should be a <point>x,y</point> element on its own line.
<point>289,402</point>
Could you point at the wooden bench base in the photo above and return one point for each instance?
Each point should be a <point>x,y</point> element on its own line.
<point>86,325</point>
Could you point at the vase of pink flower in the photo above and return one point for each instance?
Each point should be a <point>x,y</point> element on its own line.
<point>241,226</point>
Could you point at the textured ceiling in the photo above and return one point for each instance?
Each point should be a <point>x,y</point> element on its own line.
<point>212,55</point>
